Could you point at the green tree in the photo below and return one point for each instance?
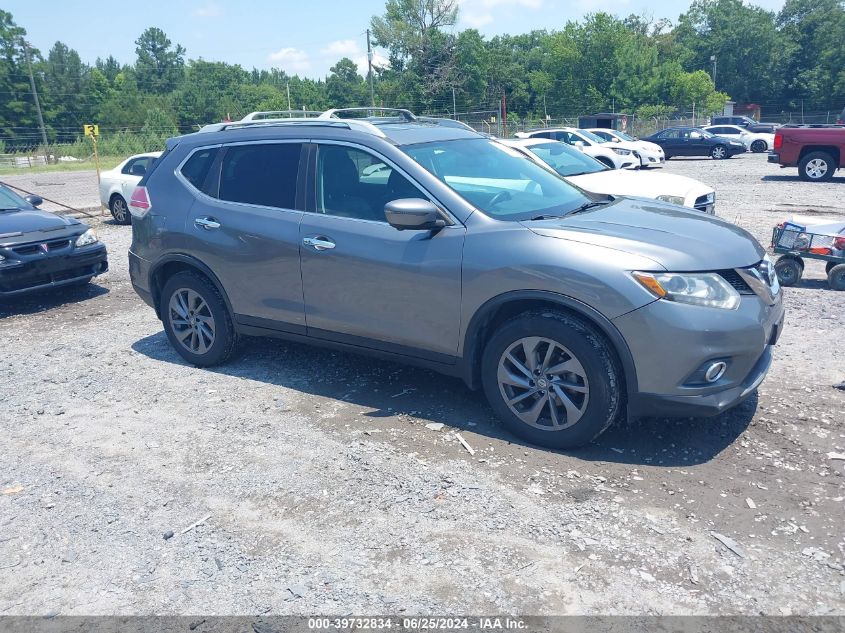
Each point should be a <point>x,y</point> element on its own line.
<point>18,122</point>
<point>160,65</point>
<point>344,86</point>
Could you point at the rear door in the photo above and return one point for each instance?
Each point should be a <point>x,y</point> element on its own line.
<point>244,225</point>
<point>365,282</point>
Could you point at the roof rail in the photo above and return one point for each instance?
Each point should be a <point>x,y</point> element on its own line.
<point>334,112</point>
<point>349,124</point>
<point>279,114</point>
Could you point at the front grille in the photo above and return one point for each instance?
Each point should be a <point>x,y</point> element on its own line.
<point>34,249</point>
<point>735,280</point>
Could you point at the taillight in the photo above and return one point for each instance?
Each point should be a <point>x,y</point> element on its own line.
<point>778,140</point>
<point>139,204</point>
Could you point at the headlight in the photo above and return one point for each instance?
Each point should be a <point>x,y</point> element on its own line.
<point>87,238</point>
<point>700,289</point>
<point>673,199</point>
<point>620,151</point>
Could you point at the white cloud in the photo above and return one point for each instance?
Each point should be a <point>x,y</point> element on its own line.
<point>291,60</point>
<point>341,48</point>
<point>476,20</point>
<point>211,10</point>
<point>528,4</point>
<point>379,61</point>
<point>478,13</point>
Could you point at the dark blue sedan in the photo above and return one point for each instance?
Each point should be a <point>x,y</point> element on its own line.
<point>692,141</point>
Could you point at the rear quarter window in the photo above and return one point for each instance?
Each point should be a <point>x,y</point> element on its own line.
<point>196,169</point>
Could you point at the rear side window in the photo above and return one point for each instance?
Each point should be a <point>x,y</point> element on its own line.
<point>196,169</point>
<point>263,174</point>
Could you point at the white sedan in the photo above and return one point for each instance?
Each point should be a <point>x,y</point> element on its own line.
<point>651,154</point>
<point>590,144</point>
<point>590,175</point>
<point>117,185</point>
<point>755,141</point>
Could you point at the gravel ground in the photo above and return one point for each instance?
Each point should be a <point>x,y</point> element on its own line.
<point>297,480</point>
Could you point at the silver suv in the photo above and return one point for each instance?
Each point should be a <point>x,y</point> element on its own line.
<point>433,245</point>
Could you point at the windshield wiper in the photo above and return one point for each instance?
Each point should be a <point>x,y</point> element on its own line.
<point>545,217</point>
<point>589,205</point>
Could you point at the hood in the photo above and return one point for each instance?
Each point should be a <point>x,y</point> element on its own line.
<point>645,184</point>
<point>678,240</point>
<point>29,225</point>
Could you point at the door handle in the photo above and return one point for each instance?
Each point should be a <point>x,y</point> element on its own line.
<point>319,243</point>
<point>207,223</point>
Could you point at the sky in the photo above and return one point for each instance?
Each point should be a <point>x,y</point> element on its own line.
<point>301,37</point>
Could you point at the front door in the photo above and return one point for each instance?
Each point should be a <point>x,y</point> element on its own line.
<point>246,229</point>
<point>365,282</point>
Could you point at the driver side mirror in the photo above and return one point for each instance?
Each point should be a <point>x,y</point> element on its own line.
<point>35,201</point>
<point>413,214</point>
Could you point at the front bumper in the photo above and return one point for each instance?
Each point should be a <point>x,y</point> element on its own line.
<point>46,270</point>
<point>671,341</point>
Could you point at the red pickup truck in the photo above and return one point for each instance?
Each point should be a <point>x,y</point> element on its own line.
<point>817,150</point>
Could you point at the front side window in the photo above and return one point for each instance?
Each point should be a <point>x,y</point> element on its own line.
<point>565,160</point>
<point>10,200</point>
<point>589,137</point>
<point>496,179</point>
<point>263,173</point>
<point>669,134</point>
<point>353,183</point>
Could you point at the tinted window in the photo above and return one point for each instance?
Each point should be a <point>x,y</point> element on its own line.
<point>10,200</point>
<point>356,184</point>
<point>136,166</point>
<point>262,174</point>
<point>541,135</point>
<point>196,169</point>
<point>496,179</point>
<point>565,160</point>
<point>667,134</point>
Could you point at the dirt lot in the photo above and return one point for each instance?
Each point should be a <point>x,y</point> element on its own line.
<point>323,491</point>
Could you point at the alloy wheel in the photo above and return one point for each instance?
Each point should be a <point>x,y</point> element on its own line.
<point>816,168</point>
<point>119,209</point>
<point>543,383</point>
<point>192,321</point>
<point>718,152</point>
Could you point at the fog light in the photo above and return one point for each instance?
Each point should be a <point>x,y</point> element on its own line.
<point>715,371</point>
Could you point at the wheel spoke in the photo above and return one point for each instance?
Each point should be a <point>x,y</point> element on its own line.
<point>573,413</point>
<point>533,414</point>
<point>529,347</point>
<point>571,365</point>
<point>550,350</point>
<point>179,306</point>
<point>521,397</point>
<point>507,377</point>
<point>184,334</point>
<point>520,366</point>
<point>180,322</point>
<point>571,386</point>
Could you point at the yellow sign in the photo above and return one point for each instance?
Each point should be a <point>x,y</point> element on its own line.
<point>91,130</point>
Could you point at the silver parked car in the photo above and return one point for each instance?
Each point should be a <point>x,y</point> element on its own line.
<point>437,246</point>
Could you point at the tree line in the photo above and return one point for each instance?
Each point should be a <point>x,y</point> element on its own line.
<point>779,60</point>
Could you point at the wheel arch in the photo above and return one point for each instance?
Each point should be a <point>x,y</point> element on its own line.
<point>833,150</point>
<point>505,306</point>
<point>169,265</point>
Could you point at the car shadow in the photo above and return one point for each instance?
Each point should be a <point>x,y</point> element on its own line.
<point>49,299</point>
<point>795,178</point>
<point>385,389</point>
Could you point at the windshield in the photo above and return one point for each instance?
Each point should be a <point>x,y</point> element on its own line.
<point>11,200</point>
<point>565,160</point>
<point>706,134</point>
<point>496,179</point>
<point>593,137</point>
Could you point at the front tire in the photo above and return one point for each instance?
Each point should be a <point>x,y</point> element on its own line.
<point>759,146</point>
<point>552,379</point>
<point>719,152</point>
<point>196,320</point>
<point>816,167</point>
<point>119,210</point>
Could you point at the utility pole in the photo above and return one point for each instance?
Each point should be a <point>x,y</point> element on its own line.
<point>454,107</point>
<point>713,59</point>
<point>370,70</point>
<point>287,87</point>
<point>35,97</point>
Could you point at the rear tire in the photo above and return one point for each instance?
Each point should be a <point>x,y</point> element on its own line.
<point>789,270</point>
<point>719,152</point>
<point>816,167</point>
<point>552,379</point>
<point>196,320</point>
<point>119,210</point>
<point>836,277</point>
<point>759,146</point>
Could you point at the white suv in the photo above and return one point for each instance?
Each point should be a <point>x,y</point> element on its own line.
<point>651,154</point>
<point>590,144</point>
